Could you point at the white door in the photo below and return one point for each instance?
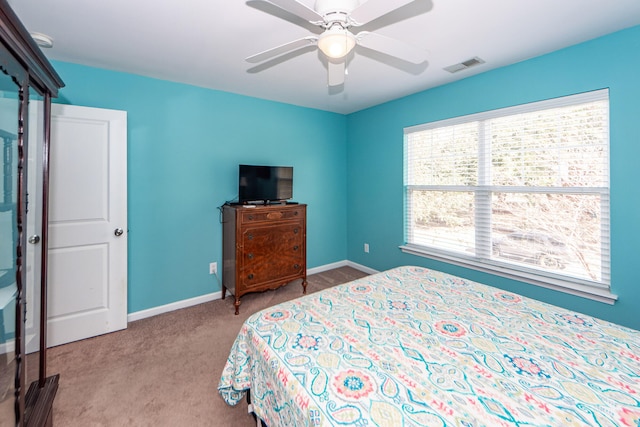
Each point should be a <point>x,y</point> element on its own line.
<point>34,225</point>
<point>87,262</point>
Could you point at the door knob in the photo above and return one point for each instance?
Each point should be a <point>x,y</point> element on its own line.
<point>118,231</point>
<point>34,239</point>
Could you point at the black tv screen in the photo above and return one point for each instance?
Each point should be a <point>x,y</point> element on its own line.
<point>264,183</point>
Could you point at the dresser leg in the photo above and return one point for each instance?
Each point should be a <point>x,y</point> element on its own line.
<point>224,291</point>
<point>304,286</point>
<point>237,305</point>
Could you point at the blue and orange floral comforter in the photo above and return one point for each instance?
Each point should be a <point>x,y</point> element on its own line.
<point>417,347</point>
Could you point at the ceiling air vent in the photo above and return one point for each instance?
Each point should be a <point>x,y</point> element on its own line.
<point>464,65</point>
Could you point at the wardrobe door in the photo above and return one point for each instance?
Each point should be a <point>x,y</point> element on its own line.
<point>10,360</point>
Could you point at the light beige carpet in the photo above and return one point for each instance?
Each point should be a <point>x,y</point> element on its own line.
<point>163,370</point>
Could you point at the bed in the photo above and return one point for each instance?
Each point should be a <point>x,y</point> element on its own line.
<point>417,347</point>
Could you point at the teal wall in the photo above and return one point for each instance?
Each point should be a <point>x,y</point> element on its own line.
<point>375,144</point>
<point>184,147</point>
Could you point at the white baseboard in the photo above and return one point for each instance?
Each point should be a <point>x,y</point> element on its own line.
<point>361,267</point>
<point>339,264</point>
<point>142,314</point>
<point>8,347</point>
<point>326,267</point>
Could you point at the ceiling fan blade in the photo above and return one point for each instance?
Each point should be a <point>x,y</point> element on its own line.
<point>372,9</point>
<point>335,73</point>
<point>298,9</point>
<point>392,47</point>
<point>282,49</point>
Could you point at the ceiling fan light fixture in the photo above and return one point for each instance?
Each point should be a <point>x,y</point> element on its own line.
<point>336,42</point>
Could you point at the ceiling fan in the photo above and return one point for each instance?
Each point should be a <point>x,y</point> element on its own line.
<point>336,17</point>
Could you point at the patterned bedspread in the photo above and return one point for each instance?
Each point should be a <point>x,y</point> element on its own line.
<point>417,347</point>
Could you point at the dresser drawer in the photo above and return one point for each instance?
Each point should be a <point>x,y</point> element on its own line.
<point>255,275</point>
<point>267,215</point>
<point>272,238</point>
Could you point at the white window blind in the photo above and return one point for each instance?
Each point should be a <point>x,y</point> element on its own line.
<point>522,192</point>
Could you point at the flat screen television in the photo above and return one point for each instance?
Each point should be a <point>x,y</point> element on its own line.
<point>264,184</point>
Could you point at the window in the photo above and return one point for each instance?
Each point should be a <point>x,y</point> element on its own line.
<point>522,192</point>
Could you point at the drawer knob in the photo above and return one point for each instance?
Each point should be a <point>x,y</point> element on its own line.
<point>295,248</point>
<point>250,256</point>
<point>250,236</point>
<point>295,213</point>
<point>250,217</point>
<point>296,266</point>
<point>250,276</point>
<point>295,231</point>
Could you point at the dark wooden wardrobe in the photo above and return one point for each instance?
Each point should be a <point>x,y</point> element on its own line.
<point>25,74</point>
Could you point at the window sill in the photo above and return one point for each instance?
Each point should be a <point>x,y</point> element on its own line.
<point>600,294</point>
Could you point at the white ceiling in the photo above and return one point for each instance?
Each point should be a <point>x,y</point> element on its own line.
<point>204,42</point>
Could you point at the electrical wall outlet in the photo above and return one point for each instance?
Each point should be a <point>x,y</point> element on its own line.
<point>213,268</point>
<point>366,248</point>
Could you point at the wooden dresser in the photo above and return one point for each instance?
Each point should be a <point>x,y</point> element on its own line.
<point>264,247</point>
